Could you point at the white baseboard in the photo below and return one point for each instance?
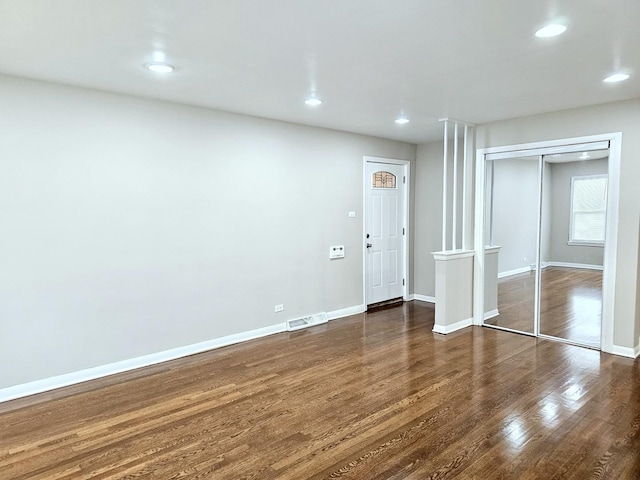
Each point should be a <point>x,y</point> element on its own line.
<point>530,268</point>
<point>423,298</point>
<point>574,265</point>
<point>445,329</point>
<point>626,351</point>
<point>345,312</point>
<point>60,381</point>
<point>491,314</point>
<point>516,271</point>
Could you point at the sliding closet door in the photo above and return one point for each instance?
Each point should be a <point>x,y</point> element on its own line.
<point>511,226</point>
<point>574,202</point>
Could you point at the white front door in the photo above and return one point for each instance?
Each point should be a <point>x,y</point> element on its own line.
<point>384,231</point>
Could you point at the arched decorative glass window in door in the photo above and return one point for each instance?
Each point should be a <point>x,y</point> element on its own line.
<point>383,180</point>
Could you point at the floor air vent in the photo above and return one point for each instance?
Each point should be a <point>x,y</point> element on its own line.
<point>305,322</point>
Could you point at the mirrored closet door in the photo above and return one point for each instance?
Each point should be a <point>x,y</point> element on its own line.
<point>512,229</point>
<point>572,236</point>
<point>545,218</point>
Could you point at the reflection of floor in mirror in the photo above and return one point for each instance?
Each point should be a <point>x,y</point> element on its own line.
<point>570,304</point>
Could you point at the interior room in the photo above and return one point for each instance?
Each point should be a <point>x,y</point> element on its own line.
<point>303,239</point>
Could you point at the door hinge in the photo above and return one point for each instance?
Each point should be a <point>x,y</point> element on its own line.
<point>403,230</point>
<point>404,179</point>
<point>403,282</point>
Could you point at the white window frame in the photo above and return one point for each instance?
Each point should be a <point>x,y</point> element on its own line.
<point>572,239</point>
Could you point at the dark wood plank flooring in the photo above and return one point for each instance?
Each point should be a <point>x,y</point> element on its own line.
<point>373,396</point>
<point>570,304</point>
<point>516,297</point>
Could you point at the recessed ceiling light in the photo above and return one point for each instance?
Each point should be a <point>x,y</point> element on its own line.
<point>616,77</point>
<point>314,102</point>
<point>551,30</point>
<point>401,120</point>
<point>584,155</point>
<point>160,67</point>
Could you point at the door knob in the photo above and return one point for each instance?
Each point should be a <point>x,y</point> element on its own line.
<point>369,245</point>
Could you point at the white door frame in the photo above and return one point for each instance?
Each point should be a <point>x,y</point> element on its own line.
<point>611,232</point>
<point>405,220</point>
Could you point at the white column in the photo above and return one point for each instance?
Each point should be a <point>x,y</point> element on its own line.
<point>454,181</point>
<point>465,216</point>
<point>444,187</point>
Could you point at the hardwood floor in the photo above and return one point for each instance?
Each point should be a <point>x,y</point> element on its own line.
<point>373,396</point>
<point>570,304</point>
<point>516,294</point>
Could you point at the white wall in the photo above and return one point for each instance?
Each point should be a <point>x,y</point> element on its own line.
<point>515,212</point>
<point>133,226</point>
<point>428,216</point>
<point>428,211</point>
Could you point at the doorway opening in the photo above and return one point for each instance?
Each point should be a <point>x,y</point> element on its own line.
<point>385,231</point>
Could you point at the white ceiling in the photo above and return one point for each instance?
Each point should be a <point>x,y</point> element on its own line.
<point>368,60</point>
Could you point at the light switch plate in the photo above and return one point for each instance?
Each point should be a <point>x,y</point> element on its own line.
<point>352,214</point>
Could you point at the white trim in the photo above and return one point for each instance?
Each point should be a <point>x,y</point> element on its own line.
<point>449,119</point>
<point>515,271</point>
<point>445,197</point>
<point>585,266</point>
<point>549,147</point>
<point>479,240</point>
<point>536,266</point>
<point>625,351</point>
<point>445,329</point>
<point>611,242</point>
<point>454,188</point>
<point>364,230</point>
<point>572,213</point>
<point>453,254</point>
<point>60,381</point>
<point>613,201</point>
<point>405,240</point>
<point>637,350</point>
<point>491,314</point>
<point>424,298</point>
<point>465,192</point>
<point>346,312</point>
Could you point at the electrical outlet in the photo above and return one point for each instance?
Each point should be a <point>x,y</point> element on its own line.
<point>279,308</point>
